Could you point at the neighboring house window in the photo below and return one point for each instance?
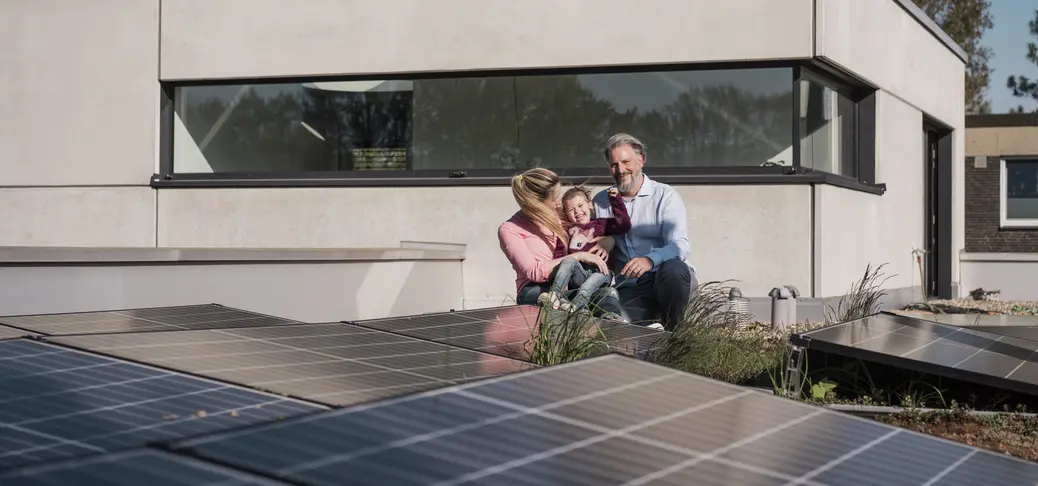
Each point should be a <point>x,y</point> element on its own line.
<point>1019,199</point>
<point>716,121</point>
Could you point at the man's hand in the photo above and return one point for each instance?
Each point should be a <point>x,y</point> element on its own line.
<point>636,267</point>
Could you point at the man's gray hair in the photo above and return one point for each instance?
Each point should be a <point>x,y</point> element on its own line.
<point>624,139</point>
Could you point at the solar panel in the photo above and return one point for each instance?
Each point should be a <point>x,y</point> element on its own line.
<point>506,331</point>
<point>331,363</point>
<point>11,333</point>
<point>139,467</point>
<point>59,403</point>
<point>604,420</point>
<point>208,316</point>
<point>956,352</point>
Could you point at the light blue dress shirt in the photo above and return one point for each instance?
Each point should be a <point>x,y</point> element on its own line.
<point>659,226</point>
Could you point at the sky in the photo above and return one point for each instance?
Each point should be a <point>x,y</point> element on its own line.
<point>1008,40</point>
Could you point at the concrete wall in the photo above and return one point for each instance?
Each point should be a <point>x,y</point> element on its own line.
<point>211,40</point>
<point>757,234</point>
<point>854,229</point>
<point>306,285</point>
<point>95,139</point>
<point>1011,273</point>
<point>870,39</point>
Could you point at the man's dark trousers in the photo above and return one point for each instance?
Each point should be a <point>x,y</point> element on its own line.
<point>661,294</point>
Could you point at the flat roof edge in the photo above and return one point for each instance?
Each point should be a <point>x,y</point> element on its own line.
<point>934,29</point>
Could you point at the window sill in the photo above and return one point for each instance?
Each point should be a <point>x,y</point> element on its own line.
<point>734,177</point>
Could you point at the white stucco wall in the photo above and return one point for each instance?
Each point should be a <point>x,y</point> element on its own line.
<point>77,216</point>
<point>881,43</point>
<point>79,110</point>
<point>759,235</point>
<point>285,37</point>
<point>78,92</point>
<point>854,229</point>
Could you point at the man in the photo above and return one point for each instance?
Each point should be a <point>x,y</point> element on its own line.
<point>653,280</point>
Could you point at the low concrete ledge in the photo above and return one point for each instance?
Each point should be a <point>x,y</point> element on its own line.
<point>998,257</point>
<point>408,251</point>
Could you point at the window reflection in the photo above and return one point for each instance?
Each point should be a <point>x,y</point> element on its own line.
<point>1021,189</point>
<point>688,118</point>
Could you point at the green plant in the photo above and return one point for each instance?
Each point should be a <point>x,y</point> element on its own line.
<point>561,337</point>
<point>864,299</point>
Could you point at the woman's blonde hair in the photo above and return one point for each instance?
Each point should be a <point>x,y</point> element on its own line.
<point>530,189</point>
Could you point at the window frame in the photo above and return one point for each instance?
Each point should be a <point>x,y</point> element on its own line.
<point>1003,191</point>
<point>787,174</point>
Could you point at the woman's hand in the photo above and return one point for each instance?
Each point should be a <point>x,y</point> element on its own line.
<point>591,259</point>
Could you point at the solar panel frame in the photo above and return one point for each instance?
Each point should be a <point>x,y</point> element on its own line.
<point>335,364</point>
<point>513,325</point>
<point>568,423</point>
<point>8,332</point>
<point>157,467</point>
<point>57,402</point>
<point>146,319</point>
<point>958,361</point>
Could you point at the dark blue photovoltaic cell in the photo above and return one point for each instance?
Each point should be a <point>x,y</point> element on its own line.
<point>58,403</point>
<point>139,467</point>
<point>605,420</point>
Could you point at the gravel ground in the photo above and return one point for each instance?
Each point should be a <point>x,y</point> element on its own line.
<point>1011,307</point>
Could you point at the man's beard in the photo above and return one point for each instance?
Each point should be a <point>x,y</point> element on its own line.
<point>630,183</point>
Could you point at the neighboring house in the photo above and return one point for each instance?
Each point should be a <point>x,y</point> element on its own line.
<point>808,139</point>
<point>1001,250</point>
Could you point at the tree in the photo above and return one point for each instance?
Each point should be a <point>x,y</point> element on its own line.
<point>965,21</point>
<point>1023,86</point>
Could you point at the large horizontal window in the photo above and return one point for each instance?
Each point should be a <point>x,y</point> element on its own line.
<point>711,118</point>
<point>763,121</point>
<point>1019,199</point>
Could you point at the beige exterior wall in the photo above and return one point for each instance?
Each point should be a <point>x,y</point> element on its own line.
<point>989,141</point>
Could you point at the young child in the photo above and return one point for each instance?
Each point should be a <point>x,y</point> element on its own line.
<point>584,233</point>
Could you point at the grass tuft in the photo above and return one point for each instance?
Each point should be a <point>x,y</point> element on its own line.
<point>863,300</point>
<point>562,337</point>
<point>706,341</point>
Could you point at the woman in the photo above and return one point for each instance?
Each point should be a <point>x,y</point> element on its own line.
<point>529,237</point>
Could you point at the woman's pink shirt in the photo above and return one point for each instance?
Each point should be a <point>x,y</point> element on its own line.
<point>527,250</point>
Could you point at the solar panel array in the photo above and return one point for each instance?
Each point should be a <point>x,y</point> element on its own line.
<point>59,403</point>
<point>208,316</point>
<point>506,331</point>
<point>333,363</point>
<point>963,353</point>
<point>437,399</point>
<point>606,420</point>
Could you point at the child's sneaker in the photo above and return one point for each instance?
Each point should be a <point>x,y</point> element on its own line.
<point>550,299</point>
<point>612,316</point>
<point>657,326</point>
